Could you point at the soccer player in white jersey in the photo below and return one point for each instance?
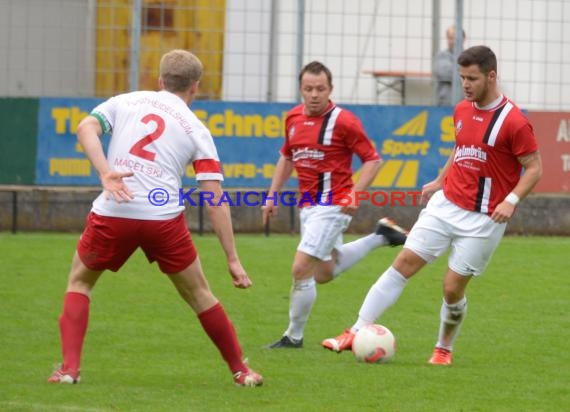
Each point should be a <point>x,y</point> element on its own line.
<point>154,136</point>
<point>320,141</point>
<point>470,202</point>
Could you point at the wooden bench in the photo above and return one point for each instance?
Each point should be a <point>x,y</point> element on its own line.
<point>394,80</point>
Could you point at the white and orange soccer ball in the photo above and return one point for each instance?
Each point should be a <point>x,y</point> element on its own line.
<point>374,344</point>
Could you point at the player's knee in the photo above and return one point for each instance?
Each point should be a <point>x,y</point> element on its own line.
<point>322,277</point>
<point>451,294</point>
<point>408,263</point>
<point>299,271</point>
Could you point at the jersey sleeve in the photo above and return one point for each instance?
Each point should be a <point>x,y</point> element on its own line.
<point>289,130</point>
<point>105,114</point>
<point>205,161</point>
<point>358,140</point>
<point>285,149</point>
<point>524,141</point>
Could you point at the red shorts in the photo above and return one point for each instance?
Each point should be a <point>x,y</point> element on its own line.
<point>107,242</point>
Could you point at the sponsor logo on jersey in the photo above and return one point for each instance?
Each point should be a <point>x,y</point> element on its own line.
<point>306,153</point>
<point>458,127</point>
<point>470,153</point>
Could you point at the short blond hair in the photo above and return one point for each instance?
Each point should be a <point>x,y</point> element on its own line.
<point>180,69</point>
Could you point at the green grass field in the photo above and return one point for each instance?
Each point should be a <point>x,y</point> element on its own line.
<point>145,350</point>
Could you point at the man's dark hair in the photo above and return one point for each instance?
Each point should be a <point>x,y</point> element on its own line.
<point>316,67</point>
<point>482,56</point>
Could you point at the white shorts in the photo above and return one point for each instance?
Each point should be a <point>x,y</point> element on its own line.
<point>472,236</point>
<point>321,230</point>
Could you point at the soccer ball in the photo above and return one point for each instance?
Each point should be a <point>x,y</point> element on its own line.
<point>374,344</point>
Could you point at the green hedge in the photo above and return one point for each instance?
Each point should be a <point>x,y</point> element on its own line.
<point>18,138</point>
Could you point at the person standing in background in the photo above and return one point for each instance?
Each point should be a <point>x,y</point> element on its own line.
<point>444,68</point>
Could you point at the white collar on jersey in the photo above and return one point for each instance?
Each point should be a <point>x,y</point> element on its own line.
<point>492,105</point>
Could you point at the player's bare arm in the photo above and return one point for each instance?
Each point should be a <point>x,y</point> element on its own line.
<point>368,172</point>
<point>431,187</point>
<point>283,171</point>
<point>532,164</point>
<point>89,134</point>
<point>219,214</point>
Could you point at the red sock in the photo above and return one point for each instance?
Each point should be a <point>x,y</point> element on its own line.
<point>221,330</point>
<point>72,327</point>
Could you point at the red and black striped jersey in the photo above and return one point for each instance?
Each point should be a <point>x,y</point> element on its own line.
<point>321,148</point>
<point>485,167</point>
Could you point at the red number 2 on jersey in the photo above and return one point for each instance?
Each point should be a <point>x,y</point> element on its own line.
<point>138,148</point>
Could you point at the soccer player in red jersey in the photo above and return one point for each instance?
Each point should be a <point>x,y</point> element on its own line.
<point>468,204</point>
<point>320,141</point>
<point>154,136</point>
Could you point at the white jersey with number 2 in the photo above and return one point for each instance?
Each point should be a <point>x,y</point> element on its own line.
<point>155,135</point>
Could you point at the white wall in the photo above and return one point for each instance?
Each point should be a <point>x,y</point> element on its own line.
<point>530,37</point>
<point>46,48</point>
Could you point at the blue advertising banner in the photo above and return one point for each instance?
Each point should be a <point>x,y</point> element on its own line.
<point>414,142</point>
<point>60,160</point>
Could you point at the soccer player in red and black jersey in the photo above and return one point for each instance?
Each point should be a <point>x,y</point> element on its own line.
<point>469,205</point>
<point>320,141</point>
